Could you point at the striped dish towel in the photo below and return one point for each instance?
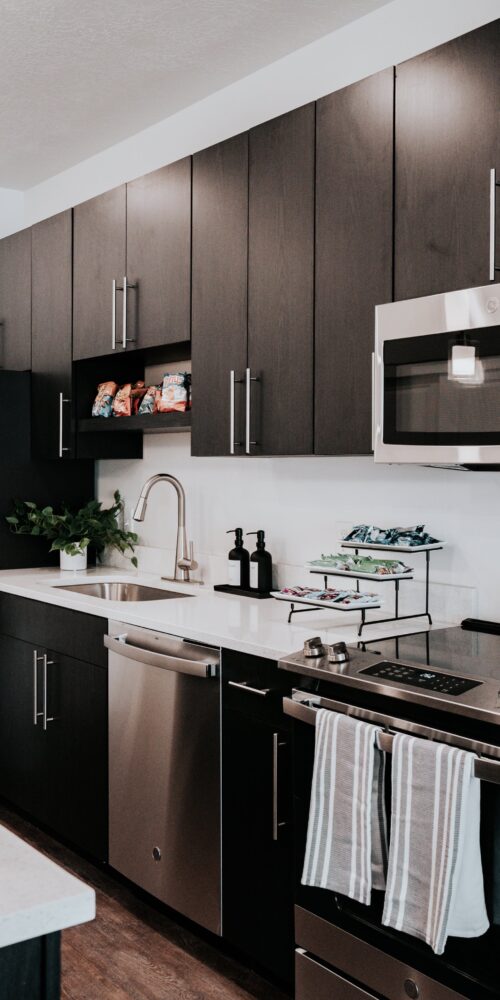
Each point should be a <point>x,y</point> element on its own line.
<point>435,882</point>
<point>346,848</point>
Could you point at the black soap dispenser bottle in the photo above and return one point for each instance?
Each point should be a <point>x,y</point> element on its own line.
<point>261,566</point>
<point>238,562</point>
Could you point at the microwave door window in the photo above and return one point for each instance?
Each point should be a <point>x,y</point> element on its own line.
<point>443,389</point>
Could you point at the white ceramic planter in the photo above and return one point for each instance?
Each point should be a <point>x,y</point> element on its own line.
<point>75,563</point>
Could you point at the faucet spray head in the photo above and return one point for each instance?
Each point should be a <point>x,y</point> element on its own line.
<point>140,510</point>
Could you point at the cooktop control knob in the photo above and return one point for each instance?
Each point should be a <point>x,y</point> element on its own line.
<point>338,653</point>
<point>314,647</point>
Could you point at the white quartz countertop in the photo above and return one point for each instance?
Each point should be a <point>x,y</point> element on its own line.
<point>37,897</point>
<point>244,624</point>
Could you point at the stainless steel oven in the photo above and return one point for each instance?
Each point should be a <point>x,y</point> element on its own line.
<point>436,379</point>
<point>343,949</point>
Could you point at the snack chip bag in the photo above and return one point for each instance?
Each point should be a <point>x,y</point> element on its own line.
<point>175,393</point>
<point>103,403</point>
<point>149,402</point>
<point>123,404</point>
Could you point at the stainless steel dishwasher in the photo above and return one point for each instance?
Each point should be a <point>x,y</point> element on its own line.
<point>164,769</point>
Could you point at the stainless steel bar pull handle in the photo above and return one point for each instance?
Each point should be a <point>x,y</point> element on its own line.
<point>277,743</point>
<point>36,713</point>
<point>249,378</point>
<point>46,718</point>
<point>126,285</point>
<point>62,401</point>
<point>244,686</point>
<point>113,317</point>
<point>493,222</point>
<point>233,381</point>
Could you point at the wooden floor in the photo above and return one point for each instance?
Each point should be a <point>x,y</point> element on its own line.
<point>132,951</point>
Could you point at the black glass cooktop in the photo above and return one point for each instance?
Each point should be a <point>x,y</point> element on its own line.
<point>460,650</point>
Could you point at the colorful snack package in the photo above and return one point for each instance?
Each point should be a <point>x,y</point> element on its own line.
<point>138,393</point>
<point>103,403</point>
<point>149,402</point>
<point>123,404</point>
<point>175,393</point>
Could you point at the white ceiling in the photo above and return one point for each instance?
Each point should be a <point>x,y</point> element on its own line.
<point>76,76</point>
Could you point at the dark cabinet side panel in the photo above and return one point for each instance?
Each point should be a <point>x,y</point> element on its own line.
<point>99,256</point>
<point>52,334</point>
<point>354,186</point>
<point>15,301</point>
<point>447,140</point>
<point>159,255</point>
<point>281,277</point>
<point>219,294</point>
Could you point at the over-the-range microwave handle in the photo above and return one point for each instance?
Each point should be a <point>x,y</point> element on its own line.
<point>196,668</point>
<point>493,223</point>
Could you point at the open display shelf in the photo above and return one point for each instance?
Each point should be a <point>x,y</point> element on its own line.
<point>148,423</point>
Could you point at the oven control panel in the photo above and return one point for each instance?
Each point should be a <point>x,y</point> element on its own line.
<point>421,678</point>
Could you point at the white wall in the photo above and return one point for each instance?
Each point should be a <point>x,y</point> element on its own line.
<point>389,35</point>
<point>11,211</point>
<point>306,504</point>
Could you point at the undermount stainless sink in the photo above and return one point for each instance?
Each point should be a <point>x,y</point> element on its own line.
<point>120,590</point>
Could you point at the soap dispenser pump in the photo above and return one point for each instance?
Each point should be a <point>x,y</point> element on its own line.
<point>261,565</point>
<point>238,562</point>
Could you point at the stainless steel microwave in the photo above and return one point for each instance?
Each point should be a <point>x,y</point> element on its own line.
<point>436,380</point>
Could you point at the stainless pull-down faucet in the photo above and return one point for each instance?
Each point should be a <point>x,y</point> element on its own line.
<point>184,559</point>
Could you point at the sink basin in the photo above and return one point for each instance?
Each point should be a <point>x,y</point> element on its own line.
<point>119,590</point>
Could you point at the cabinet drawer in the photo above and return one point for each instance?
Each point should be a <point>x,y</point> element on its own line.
<point>253,686</point>
<point>72,632</point>
<point>314,981</point>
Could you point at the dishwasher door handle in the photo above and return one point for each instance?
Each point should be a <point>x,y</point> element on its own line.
<point>196,668</point>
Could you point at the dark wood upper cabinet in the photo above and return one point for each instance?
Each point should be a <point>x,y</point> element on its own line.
<point>99,259</point>
<point>447,142</point>
<point>354,189</point>
<point>159,255</point>
<point>15,301</point>
<point>52,337</point>
<point>281,283</point>
<point>219,293</point>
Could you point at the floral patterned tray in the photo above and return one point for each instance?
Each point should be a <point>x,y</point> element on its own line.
<point>337,600</point>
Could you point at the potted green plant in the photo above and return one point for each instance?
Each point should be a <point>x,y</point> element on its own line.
<point>72,532</point>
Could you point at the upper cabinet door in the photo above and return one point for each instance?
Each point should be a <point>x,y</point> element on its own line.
<point>219,297</point>
<point>447,143</point>
<point>281,284</point>
<point>51,337</point>
<point>354,187</point>
<point>159,255</point>
<point>98,262</point>
<point>15,301</point>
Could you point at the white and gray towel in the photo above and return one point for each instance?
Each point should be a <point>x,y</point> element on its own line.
<point>346,848</point>
<point>435,885</point>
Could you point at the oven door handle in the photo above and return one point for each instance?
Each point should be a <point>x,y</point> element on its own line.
<point>304,708</point>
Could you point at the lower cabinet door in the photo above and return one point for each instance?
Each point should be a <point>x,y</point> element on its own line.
<point>257,859</point>
<point>77,761</point>
<point>23,747</point>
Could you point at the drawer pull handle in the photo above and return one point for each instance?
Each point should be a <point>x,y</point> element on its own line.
<point>245,686</point>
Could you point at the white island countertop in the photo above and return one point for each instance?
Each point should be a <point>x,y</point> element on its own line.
<point>37,897</point>
<point>244,624</point>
